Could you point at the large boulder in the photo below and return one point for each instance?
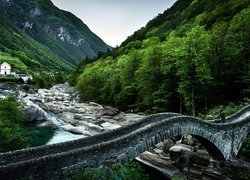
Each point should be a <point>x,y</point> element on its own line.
<point>182,156</point>
<point>167,144</point>
<point>71,109</point>
<point>110,111</point>
<point>77,116</point>
<point>92,126</point>
<point>32,112</point>
<point>109,126</point>
<point>76,130</point>
<point>178,150</point>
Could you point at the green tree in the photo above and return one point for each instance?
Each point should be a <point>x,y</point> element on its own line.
<point>238,49</point>
<point>130,64</point>
<point>217,59</point>
<point>168,95</point>
<point>193,69</point>
<point>91,82</point>
<point>149,76</point>
<point>59,78</point>
<point>112,86</point>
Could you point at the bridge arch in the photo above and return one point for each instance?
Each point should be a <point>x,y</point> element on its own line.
<point>211,148</point>
<point>208,137</point>
<point>222,141</point>
<point>213,151</point>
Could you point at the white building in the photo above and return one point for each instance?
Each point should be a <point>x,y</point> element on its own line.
<point>23,76</point>
<point>5,69</point>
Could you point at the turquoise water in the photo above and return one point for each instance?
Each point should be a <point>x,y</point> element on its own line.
<point>39,135</point>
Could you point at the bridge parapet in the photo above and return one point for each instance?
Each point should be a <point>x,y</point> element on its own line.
<point>36,152</point>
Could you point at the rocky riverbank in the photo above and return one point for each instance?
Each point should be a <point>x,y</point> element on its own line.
<point>60,106</point>
<point>182,162</point>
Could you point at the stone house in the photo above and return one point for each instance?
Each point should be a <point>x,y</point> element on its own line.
<point>5,69</point>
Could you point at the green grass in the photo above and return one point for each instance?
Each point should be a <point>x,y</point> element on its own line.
<point>16,63</point>
<point>178,177</point>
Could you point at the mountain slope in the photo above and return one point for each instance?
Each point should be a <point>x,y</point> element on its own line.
<point>60,38</point>
<point>194,55</point>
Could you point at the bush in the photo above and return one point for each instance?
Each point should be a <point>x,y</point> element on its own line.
<point>118,171</point>
<point>244,153</point>
<point>227,110</point>
<point>11,133</point>
<point>47,80</point>
<point>8,79</point>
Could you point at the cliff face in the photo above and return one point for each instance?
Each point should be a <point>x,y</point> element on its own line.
<point>60,31</point>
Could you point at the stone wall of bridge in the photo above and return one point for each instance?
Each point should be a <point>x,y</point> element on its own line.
<point>35,152</point>
<point>121,145</point>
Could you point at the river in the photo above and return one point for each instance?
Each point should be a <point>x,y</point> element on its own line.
<point>72,119</point>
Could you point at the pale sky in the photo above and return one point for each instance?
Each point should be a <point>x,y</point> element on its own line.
<point>114,20</point>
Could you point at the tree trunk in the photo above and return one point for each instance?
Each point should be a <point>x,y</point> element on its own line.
<point>193,102</point>
<point>181,104</point>
<point>206,102</point>
<point>193,90</point>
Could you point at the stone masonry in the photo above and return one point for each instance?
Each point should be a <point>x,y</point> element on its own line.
<point>59,161</point>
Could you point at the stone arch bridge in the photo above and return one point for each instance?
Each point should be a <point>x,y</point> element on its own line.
<point>57,161</point>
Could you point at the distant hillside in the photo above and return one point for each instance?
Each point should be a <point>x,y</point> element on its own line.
<point>54,38</point>
<point>194,55</point>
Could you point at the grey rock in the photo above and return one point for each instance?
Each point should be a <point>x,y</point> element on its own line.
<point>71,109</point>
<point>167,144</point>
<point>92,126</point>
<point>177,151</point>
<point>6,86</point>
<point>109,126</point>
<point>76,130</point>
<point>108,110</point>
<point>77,116</point>
<point>88,118</point>
<point>32,113</point>
<point>95,104</point>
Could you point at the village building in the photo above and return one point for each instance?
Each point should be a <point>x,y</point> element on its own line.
<point>5,69</point>
<point>24,76</point>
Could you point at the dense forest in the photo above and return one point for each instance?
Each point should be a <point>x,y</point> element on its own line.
<point>193,56</point>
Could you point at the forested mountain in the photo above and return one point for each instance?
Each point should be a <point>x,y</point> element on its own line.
<point>193,56</point>
<point>40,35</point>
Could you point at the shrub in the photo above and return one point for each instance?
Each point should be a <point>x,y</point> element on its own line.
<point>244,153</point>
<point>228,110</point>
<point>8,79</point>
<point>11,134</point>
<point>119,171</point>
